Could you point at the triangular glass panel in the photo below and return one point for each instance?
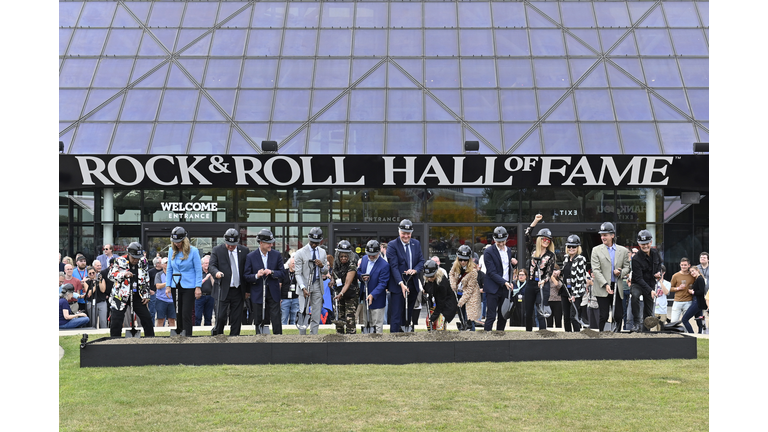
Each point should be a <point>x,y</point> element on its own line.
<point>377,78</point>
<point>295,145</point>
<point>108,112</point>
<point>444,138</point>
<point>362,66</point>
<point>490,131</point>
<point>663,98</point>
<point>435,112</point>
<point>239,145</point>
<point>71,103</point>
<point>140,9</point>
<point>209,138</point>
<point>131,138</point>
<point>195,67</point>
<point>207,112</point>
<point>97,97</point>
<point>626,46</point>
<point>156,79</point>
<point>580,66</point>
<point>327,138</point>
<point>484,149</point>
<point>225,99</point>
<point>123,18</point>
<point>596,78</point>
<point>242,19</point>
<point>547,98</point>
<point>150,47</point>
<point>398,79</point>
<point>335,112</point>
<point>512,132</point>
<point>188,45</point>
<point>638,9</point>
<point>609,37</point>
<point>564,111</point>
<point>703,134</point>
<point>531,145</point>
<point>535,17</point>
<point>256,132</point>
<point>178,79</point>
<point>66,138</point>
<point>449,98</point>
<point>654,19</point>
<point>619,78</point>
<point>577,47</point>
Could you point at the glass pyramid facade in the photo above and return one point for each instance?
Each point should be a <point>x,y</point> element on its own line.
<point>378,77</point>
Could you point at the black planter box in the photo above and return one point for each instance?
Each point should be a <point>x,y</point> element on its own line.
<point>660,347</point>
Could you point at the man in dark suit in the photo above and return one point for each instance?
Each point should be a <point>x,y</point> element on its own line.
<point>227,264</point>
<point>373,273</point>
<point>499,270</point>
<point>264,268</point>
<point>405,263</point>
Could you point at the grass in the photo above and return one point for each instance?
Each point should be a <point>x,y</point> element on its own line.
<point>529,396</point>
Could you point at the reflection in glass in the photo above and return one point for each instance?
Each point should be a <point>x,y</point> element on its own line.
<point>209,138</point>
<point>699,100</point>
<point>515,73</point>
<point>639,138</point>
<point>600,138</point>
<point>378,205</point>
<point>512,43</point>
<point>547,42</point>
<point>170,138</point>
<point>92,138</point>
<point>299,42</point>
<point>303,15</point>
<point>141,105</point>
<point>577,14</point>
<point>131,138</point>
<point>561,138</point>
<point>268,14</point>
<point>337,15</point>
<point>611,14</point>
<point>405,138</point>
<point>661,72</point>
<point>326,138</point>
<point>365,138</point>
<point>474,14</point>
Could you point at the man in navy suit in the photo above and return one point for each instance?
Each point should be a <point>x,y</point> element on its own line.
<point>264,267</point>
<point>499,269</point>
<point>405,263</point>
<point>227,264</point>
<point>374,271</point>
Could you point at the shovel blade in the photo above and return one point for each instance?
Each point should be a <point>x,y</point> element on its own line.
<point>132,333</point>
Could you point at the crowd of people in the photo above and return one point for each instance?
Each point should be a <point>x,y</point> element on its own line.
<point>617,289</point>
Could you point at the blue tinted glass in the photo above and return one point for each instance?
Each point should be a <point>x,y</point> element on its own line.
<point>140,9</point>
<point>653,42</point>
<point>396,78</point>
<point>512,43</point>
<point>600,138</point>
<point>480,105</point>
<point>225,99</point>
<point>71,103</point>
<point>442,73</point>
<point>371,15</point>
<point>476,42</point>
<point>699,99</point>
<point>178,105</point>
<point>375,78</point>
<point>124,19</point>
<point>295,73</point>
<point>97,14</point>
<point>548,99</point>
<point>191,44</point>
<point>335,43</point>
<point>92,138</point>
<point>594,104</point>
<point>405,15</point>
<point>264,42</point>
<point>337,15</point>
<point>332,73</point>
<point>677,138</point>
<point>632,105</point>
<point>560,138</point>
<point>596,76</point>
<point>194,67</point>
<point>435,112</point>
<point>654,19</point>
<point>405,42</point>
<point>365,138</point>
<point>68,13</point>
<point>478,73</point>
<point>551,73</point>
<point>619,78</point>
<point>439,14</point>
<point>170,138</point>
<point>528,145</point>
<point>228,43</point>
<point>226,9</point>
<point>441,43</point>
<point>222,73</point>
<point>141,105</point>
<point>661,72</point>
<point>404,105</point>
<point>303,14</point>
<point>113,72</point>
<point>405,138</point>
<point>413,67</point>
<point>507,14</point>
<point>200,14</point>
<point>209,138</point>
<point>366,105</point>
<point>207,111</point>
<point>268,14</point>
<point>254,105</point>
<point>87,42</point>
<point>326,138</point>
<point>299,43</point>
<point>695,72</point>
<point>512,132</point>
<point>681,14</point>
<point>490,131</point>
<point>77,72</point>
<point>474,14</point>
<point>618,42</point>
<point>131,138</point>
<point>663,111</point>
<point>444,138</point>
<point>611,14</point>
<point>67,137</point>
<point>515,73</point>
<point>256,132</point>
<point>703,12</point>
<point>582,42</point>
<point>239,145</point>
<point>155,79</point>
<point>577,14</point>
<point>291,105</point>
<point>638,9</point>
<point>123,42</point>
<point>518,105</point>
<point>370,43</point>
<point>335,112</point>
<point>166,14</point>
<point>295,145</point>
<point>541,18</point>
<point>97,97</point>
<point>150,47</point>
<point>689,42</point>
<point>703,133</point>
<point>64,36</point>
<point>449,98</point>
<point>547,42</point>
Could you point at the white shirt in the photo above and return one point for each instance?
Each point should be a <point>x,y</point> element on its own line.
<point>504,262</point>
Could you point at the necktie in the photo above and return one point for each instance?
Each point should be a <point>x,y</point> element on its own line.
<point>408,250</point>
<point>314,257</point>
<point>235,276</point>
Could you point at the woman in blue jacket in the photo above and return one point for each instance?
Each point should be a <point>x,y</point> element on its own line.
<point>185,274</point>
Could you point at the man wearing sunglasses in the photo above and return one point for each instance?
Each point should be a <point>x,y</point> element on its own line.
<point>106,256</point>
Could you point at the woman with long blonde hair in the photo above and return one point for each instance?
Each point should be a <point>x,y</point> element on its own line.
<point>540,268</point>
<point>463,279</point>
<point>185,274</point>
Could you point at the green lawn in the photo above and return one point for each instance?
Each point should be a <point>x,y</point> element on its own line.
<point>663,395</point>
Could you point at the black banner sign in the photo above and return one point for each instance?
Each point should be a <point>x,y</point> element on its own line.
<point>689,172</point>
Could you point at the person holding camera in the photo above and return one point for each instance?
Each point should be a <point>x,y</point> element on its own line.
<point>96,296</point>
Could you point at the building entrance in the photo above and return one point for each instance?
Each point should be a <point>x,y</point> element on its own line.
<point>359,234</point>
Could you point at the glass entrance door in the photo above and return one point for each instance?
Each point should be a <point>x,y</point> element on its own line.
<point>358,235</point>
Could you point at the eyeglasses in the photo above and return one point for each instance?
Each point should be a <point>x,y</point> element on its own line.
<point>93,272</point>
<point>545,239</point>
<point>571,247</point>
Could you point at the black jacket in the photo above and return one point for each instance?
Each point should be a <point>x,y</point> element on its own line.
<point>444,297</point>
<point>644,267</point>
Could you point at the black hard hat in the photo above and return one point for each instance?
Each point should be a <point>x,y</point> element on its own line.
<point>315,235</point>
<point>406,226</point>
<point>545,232</point>
<point>500,234</point>
<point>573,240</point>
<point>607,228</point>
<point>265,236</point>
<point>232,237</point>
<point>178,234</point>
<point>644,237</point>
<point>430,268</point>
<point>135,250</point>
<point>372,247</point>
<point>67,287</point>
<point>464,253</point>
<point>344,247</point>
